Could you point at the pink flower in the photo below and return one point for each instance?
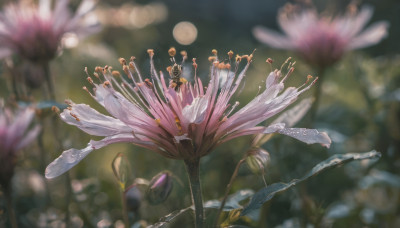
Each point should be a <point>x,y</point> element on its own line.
<point>184,120</point>
<point>319,39</point>
<point>35,31</point>
<point>14,135</point>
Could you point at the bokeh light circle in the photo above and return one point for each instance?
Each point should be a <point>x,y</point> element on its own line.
<point>185,33</point>
<point>70,40</point>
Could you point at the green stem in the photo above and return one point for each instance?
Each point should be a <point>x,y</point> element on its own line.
<point>193,171</point>
<point>82,214</point>
<point>124,209</point>
<point>14,86</point>
<point>228,189</point>
<point>10,208</point>
<point>49,80</point>
<point>69,192</point>
<point>317,95</point>
<point>68,198</point>
<point>363,83</point>
<point>43,163</point>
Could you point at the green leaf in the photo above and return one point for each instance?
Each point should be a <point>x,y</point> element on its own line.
<point>269,192</point>
<point>168,218</point>
<point>381,178</point>
<point>49,104</point>
<point>232,201</point>
<point>231,204</point>
<point>43,105</point>
<point>237,226</point>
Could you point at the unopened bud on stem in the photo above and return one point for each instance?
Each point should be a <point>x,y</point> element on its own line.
<point>257,160</point>
<point>159,188</point>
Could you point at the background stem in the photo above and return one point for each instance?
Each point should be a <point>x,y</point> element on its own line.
<point>124,209</point>
<point>10,208</point>
<point>193,171</point>
<point>49,80</point>
<point>228,189</point>
<point>317,95</point>
<point>68,198</point>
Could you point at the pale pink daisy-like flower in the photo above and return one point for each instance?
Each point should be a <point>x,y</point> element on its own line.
<point>182,120</point>
<point>34,31</point>
<point>14,135</point>
<point>322,40</point>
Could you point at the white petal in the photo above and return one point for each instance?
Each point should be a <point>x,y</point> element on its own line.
<point>274,128</point>
<point>5,52</point>
<point>85,7</point>
<point>84,21</point>
<point>179,138</point>
<point>61,15</point>
<point>196,112</point>
<point>100,94</point>
<point>44,8</point>
<point>372,35</point>
<point>272,79</point>
<point>293,115</point>
<point>298,24</point>
<point>92,122</point>
<point>350,25</point>
<point>66,161</point>
<point>71,157</point>
<point>29,137</point>
<point>126,111</point>
<point>20,124</point>
<point>308,136</point>
<point>272,38</point>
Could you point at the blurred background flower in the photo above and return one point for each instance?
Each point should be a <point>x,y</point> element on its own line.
<point>322,39</point>
<point>35,31</point>
<point>14,136</point>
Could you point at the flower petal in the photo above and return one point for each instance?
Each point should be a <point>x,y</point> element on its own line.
<point>66,161</point>
<point>85,7</point>
<point>196,112</point>
<point>44,8</point>
<point>129,113</point>
<point>309,136</point>
<point>29,137</point>
<point>372,35</point>
<point>92,122</point>
<point>293,115</point>
<point>71,157</point>
<point>274,128</point>
<point>296,25</point>
<point>4,52</point>
<point>179,138</point>
<point>350,25</point>
<point>272,38</point>
<point>254,130</point>
<point>20,124</point>
<point>62,14</point>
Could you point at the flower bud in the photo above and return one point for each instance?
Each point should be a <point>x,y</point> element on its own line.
<point>159,188</point>
<point>122,170</point>
<point>257,160</point>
